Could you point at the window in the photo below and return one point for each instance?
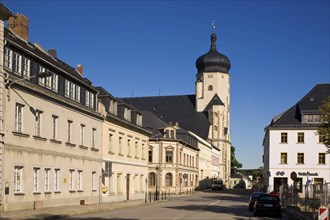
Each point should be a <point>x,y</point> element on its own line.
<point>54,82</point>
<point>78,93</point>
<point>26,67</point>
<point>38,123</point>
<point>18,178</point>
<point>284,138</point>
<point>41,80</point>
<point>168,179</point>
<point>210,88</point>
<point>136,149</point>
<point>321,158</point>
<point>36,171</point>
<point>47,176</point>
<point>54,127</point>
<point>93,137</point>
<point>150,156</point>
<point>120,145</point>
<point>300,137</point>
<point>94,185</point>
<point>8,58</point>
<point>17,63</point>
<point>152,179</point>
<point>142,151</point>
<point>49,81</point>
<point>169,156</point>
<point>127,114</point>
<point>284,158</point>
<point>89,102</point>
<point>80,180</point>
<point>300,158</point>
<point>129,147</point>
<point>110,142</point>
<point>311,119</point>
<point>71,179</point>
<point>119,182</point>
<point>82,134</point>
<point>70,131</point>
<point>67,88</point>
<point>318,181</point>
<point>72,91</point>
<point>19,118</point>
<point>57,180</point>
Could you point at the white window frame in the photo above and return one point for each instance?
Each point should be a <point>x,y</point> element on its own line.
<point>47,180</point>
<point>70,123</point>
<point>38,121</point>
<point>93,137</point>
<point>80,180</point>
<point>71,179</point>
<point>8,58</point>
<point>54,126</point>
<point>54,82</point>
<point>25,67</point>
<point>19,110</point>
<point>67,88</point>
<point>56,180</point>
<point>17,63</point>
<point>82,134</point>
<point>36,176</point>
<point>18,179</point>
<point>78,93</point>
<point>41,80</point>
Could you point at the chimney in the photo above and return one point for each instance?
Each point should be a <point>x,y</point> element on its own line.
<point>52,52</point>
<point>19,24</point>
<point>80,69</point>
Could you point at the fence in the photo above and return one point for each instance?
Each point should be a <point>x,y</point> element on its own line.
<point>162,195</point>
<point>306,200</point>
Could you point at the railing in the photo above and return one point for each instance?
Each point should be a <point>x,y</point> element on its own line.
<point>308,201</point>
<point>153,196</point>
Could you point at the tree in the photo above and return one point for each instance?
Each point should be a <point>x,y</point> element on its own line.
<point>324,129</point>
<point>235,165</point>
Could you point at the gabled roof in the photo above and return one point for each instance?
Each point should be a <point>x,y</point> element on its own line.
<point>38,54</point>
<point>309,104</point>
<point>214,101</point>
<point>174,109</point>
<point>153,123</point>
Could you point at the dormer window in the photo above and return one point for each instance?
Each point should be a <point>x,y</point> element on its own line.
<point>169,133</point>
<point>139,119</point>
<point>113,107</point>
<point>311,119</point>
<point>127,114</point>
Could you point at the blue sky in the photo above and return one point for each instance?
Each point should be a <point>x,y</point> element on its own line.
<point>279,50</point>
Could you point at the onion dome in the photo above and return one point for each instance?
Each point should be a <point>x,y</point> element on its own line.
<point>213,61</point>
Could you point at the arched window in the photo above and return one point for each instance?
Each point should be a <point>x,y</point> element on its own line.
<point>169,179</point>
<point>152,179</point>
<point>210,88</point>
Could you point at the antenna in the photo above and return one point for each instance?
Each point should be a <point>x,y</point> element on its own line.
<point>132,93</point>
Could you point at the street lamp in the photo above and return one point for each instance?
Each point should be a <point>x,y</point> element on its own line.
<point>43,74</point>
<point>157,177</point>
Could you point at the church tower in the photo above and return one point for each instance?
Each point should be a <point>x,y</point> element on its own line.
<point>213,98</point>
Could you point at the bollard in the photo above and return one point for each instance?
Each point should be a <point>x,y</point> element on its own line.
<point>162,195</point>
<point>146,197</point>
<point>165,195</point>
<point>150,197</point>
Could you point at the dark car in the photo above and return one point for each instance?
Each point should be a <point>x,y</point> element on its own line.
<point>267,205</point>
<point>217,185</point>
<point>253,198</point>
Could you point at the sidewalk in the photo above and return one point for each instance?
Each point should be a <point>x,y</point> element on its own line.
<point>64,212</point>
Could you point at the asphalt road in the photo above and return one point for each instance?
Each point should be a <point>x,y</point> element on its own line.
<point>208,205</point>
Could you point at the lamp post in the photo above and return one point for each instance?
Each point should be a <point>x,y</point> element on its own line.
<point>40,75</point>
<point>157,177</point>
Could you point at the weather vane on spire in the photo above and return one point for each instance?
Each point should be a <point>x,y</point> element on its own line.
<point>213,26</point>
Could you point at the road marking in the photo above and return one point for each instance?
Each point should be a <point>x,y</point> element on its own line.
<point>196,210</point>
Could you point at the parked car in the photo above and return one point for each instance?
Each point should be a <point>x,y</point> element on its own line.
<point>267,205</point>
<point>253,198</point>
<point>217,185</point>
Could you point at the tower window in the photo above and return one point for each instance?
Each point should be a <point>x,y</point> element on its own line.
<point>210,88</point>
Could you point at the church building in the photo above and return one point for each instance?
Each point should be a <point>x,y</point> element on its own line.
<point>205,114</point>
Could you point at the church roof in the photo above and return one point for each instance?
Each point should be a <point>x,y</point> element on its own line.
<point>174,109</point>
<point>213,61</point>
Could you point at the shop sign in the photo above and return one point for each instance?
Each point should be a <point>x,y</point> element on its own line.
<point>307,174</point>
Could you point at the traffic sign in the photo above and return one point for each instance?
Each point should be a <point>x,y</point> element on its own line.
<point>323,213</point>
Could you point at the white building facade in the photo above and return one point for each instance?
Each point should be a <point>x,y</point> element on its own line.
<point>292,144</point>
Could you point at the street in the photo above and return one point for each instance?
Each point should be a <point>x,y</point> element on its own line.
<point>208,205</point>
